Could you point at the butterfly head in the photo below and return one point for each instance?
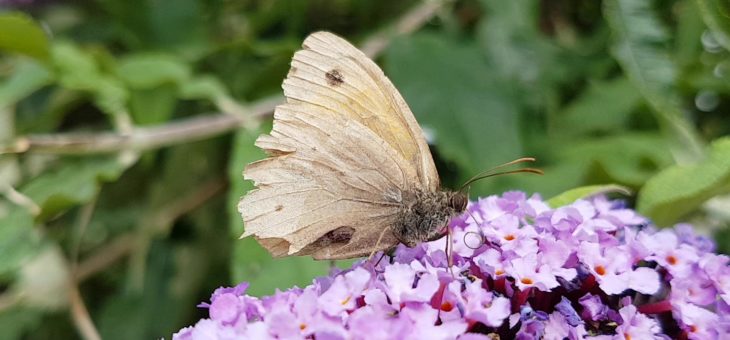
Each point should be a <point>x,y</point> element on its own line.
<point>458,201</point>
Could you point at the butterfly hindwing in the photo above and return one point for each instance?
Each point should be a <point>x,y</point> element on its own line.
<point>322,181</point>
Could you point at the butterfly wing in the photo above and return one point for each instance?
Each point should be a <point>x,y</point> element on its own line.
<point>331,74</point>
<point>343,150</point>
<point>327,173</point>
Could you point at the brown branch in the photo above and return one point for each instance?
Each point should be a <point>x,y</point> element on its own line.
<point>144,138</point>
<point>123,245</point>
<point>80,314</point>
<point>204,126</point>
<point>407,24</point>
<point>106,256</point>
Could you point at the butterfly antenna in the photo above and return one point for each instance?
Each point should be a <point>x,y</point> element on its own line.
<point>491,172</point>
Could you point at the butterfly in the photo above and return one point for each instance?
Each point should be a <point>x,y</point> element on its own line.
<point>349,171</point>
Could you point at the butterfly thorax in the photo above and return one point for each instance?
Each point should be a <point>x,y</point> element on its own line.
<point>424,215</point>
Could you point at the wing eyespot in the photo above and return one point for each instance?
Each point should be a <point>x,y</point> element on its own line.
<point>334,78</point>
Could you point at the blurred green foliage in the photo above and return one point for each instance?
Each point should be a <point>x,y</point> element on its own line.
<point>603,93</point>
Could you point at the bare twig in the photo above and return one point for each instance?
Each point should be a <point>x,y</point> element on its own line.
<point>109,254</point>
<point>22,200</point>
<point>123,245</point>
<point>82,223</point>
<point>165,217</point>
<point>80,314</point>
<point>161,221</point>
<point>408,23</point>
<point>204,126</point>
<point>143,138</point>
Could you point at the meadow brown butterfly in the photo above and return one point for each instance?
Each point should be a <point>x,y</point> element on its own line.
<point>349,171</point>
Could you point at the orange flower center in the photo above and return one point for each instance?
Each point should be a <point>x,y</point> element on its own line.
<point>600,270</point>
<point>447,306</point>
<point>509,237</point>
<point>671,260</point>
<point>526,280</point>
<point>302,326</point>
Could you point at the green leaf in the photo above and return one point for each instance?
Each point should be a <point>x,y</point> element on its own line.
<point>688,37</point>
<point>146,71</point>
<point>154,312</point>
<point>629,159</point>
<point>78,70</point>
<point>253,264</point>
<point>18,239</point>
<point>573,195</point>
<point>159,80</point>
<point>27,78</point>
<point>512,39</point>
<point>638,39</point>
<point>21,34</point>
<point>204,87</point>
<point>604,107</point>
<point>153,106</point>
<point>454,94</point>
<point>680,189</point>
<point>15,322</point>
<point>73,182</point>
<point>716,14</point>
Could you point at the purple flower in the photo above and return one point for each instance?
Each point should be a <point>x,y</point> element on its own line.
<point>558,328</point>
<point>677,258</point>
<point>403,285</point>
<point>593,308</point>
<point>483,306</point>
<point>527,273</point>
<point>637,325</point>
<point>344,291</point>
<point>589,270</point>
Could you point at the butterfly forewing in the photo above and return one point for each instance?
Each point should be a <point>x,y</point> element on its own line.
<point>333,75</point>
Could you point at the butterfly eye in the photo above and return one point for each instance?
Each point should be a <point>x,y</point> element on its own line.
<point>458,201</point>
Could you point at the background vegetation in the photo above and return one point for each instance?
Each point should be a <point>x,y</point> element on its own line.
<point>125,125</point>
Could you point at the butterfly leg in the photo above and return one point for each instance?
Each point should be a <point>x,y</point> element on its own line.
<point>450,250</point>
<point>380,238</point>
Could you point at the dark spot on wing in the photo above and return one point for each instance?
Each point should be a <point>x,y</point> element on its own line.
<point>334,78</point>
<point>279,207</point>
<point>340,235</point>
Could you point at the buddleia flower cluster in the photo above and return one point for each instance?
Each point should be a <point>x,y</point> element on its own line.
<point>518,269</point>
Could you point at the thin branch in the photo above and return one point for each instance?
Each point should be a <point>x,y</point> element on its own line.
<point>109,254</point>
<point>82,223</point>
<point>204,126</point>
<point>123,245</point>
<point>80,314</point>
<point>143,138</point>
<point>407,24</point>
<point>21,200</point>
